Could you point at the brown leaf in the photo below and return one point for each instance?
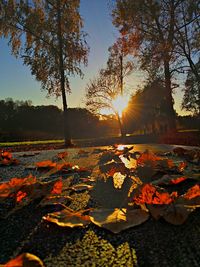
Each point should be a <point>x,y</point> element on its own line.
<point>25,260</point>
<point>81,187</point>
<point>177,214</point>
<point>55,200</point>
<point>68,218</point>
<point>117,220</point>
<point>107,196</point>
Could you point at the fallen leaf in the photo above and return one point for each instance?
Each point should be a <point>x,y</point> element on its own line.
<point>57,187</point>
<point>55,200</point>
<point>6,159</point>
<point>25,260</point>
<point>8,188</point>
<point>81,187</point>
<point>62,155</point>
<point>193,192</point>
<point>111,168</point>
<point>107,196</point>
<point>169,180</point>
<point>20,195</point>
<point>148,158</point>
<point>149,194</point>
<point>68,218</point>
<point>117,220</point>
<point>46,164</point>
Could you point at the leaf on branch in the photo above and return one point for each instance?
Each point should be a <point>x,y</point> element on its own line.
<point>68,218</point>
<point>117,220</point>
<point>23,260</point>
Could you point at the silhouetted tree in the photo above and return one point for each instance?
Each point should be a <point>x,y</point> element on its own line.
<point>108,84</point>
<point>191,98</point>
<point>47,35</point>
<point>147,110</point>
<point>151,29</point>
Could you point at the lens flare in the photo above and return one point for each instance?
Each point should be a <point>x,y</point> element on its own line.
<point>120,103</point>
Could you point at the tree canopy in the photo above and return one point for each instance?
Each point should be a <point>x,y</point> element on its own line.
<point>47,35</point>
<point>152,30</point>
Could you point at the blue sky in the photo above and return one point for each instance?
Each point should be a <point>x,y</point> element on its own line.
<point>17,82</point>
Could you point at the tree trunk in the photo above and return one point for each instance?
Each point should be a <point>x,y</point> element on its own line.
<point>120,126</point>
<point>169,99</point>
<point>67,135</point>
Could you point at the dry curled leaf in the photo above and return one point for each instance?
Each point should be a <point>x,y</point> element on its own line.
<point>81,187</point>
<point>68,218</point>
<point>148,158</point>
<point>6,159</point>
<point>117,220</point>
<point>57,187</point>
<point>25,260</point>
<point>169,180</point>
<point>149,194</point>
<point>107,196</point>
<point>55,200</point>
<point>9,188</point>
<point>62,155</point>
<point>46,164</point>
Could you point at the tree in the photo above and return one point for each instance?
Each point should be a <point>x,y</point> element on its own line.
<point>108,85</point>
<point>151,28</point>
<point>147,111</point>
<point>47,35</point>
<point>191,99</point>
<point>187,38</point>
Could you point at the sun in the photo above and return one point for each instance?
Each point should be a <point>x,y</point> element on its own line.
<point>120,103</point>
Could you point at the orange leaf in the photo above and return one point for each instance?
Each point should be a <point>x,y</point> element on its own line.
<point>46,164</point>
<point>149,194</point>
<point>193,192</point>
<point>57,188</point>
<point>14,184</point>
<point>182,166</point>
<point>147,158</point>
<point>178,180</point>
<point>25,259</point>
<point>62,155</point>
<point>6,155</point>
<point>20,195</point>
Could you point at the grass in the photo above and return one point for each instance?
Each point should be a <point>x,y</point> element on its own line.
<point>40,142</point>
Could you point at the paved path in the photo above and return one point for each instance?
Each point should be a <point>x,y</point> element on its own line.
<point>154,243</point>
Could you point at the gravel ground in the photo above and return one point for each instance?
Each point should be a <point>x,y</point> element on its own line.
<point>154,243</point>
